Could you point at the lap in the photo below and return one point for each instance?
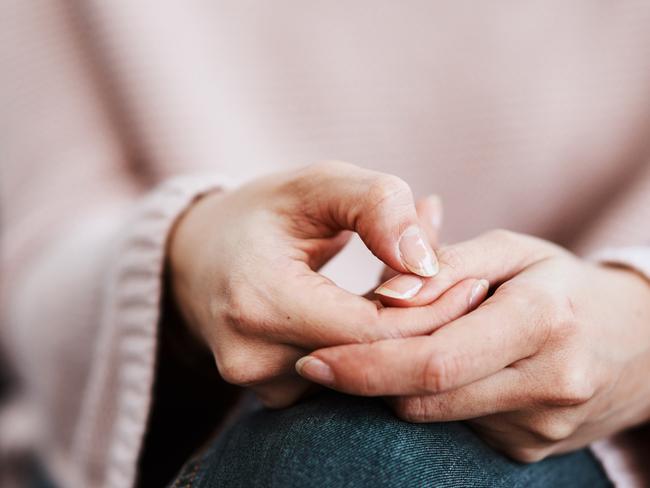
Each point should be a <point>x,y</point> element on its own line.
<point>333,440</point>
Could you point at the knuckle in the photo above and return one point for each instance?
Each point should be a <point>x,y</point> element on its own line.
<point>438,373</point>
<point>536,302</point>
<point>411,409</point>
<point>553,429</point>
<point>531,248</point>
<point>236,305</point>
<point>524,297</point>
<point>385,188</point>
<point>367,382</point>
<point>243,311</point>
<point>429,408</point>
<point>238,369</point>
<point>526,455</point>
<point>564,320</point>
<point>305,180</point>
<point>572,387</point>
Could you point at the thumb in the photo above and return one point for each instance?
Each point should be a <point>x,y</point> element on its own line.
<point>430,214</point>
<point>377,206</point>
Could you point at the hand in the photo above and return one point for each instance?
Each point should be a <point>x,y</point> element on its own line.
<point>243,271</point>
<point>556,358</point>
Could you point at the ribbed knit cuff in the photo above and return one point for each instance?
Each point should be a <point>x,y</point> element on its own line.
<point>120,398</point>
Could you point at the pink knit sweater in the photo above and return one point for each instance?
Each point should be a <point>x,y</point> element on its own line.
<point>534,117</point>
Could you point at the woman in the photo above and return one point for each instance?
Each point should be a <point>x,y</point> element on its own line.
<point>118,297</point>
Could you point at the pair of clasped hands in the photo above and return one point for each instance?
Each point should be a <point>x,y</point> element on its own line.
<point>540,351</point>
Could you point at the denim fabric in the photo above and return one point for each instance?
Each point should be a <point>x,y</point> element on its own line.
<point>334,440</point>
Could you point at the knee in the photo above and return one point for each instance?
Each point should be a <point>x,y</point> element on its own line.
<point>336,440</point>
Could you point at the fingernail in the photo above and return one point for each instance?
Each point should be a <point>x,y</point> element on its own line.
<point>416,254</point>
<point>478,293</point>
<point>314,369</point>
<point>402,287</point>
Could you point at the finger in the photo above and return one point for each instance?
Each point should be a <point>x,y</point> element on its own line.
<point>282,392</point>
<point>475,346</point>
<point>458,301</point>
<point>545,425</point>
<point>379,207</point>
<point>503,391</point>
<point>246,361</point>
<point>496,256</point>
<point>429,211</point>
<point>520,441</point>
<point>430,214</point>
<point>399,291</point>
<point>325,315</point>
<point>511,440</point>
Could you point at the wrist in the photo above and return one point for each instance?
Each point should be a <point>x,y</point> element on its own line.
<point>186,246</point>
<point>186,233</point>
<point>632,389</point>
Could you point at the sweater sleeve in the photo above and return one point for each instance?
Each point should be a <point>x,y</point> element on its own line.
<point>621,235</point>
<point>118,400</point>
<point>82,252</point>
<point>83,326</point>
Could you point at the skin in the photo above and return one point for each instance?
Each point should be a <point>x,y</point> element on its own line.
<point>244,265</point>
<point>556,358</point>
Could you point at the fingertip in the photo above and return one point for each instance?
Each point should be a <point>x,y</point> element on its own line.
<point>415,253</point>
<point>400,287</point>
<point>478,293</point>
<point>314,369</point>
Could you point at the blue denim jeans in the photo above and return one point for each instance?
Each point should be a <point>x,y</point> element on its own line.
<point>333,440</point>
